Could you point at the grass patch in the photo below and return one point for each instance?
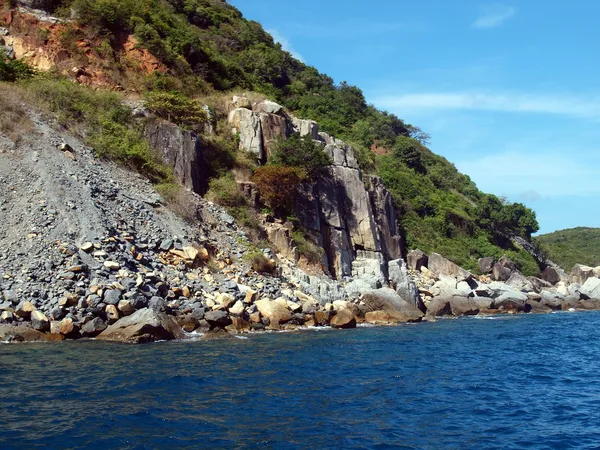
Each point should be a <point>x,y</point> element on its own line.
<point>178,200</point>
<point>259,262</point>
<point>14,120</point>
<point>104,122</point>
<point>306,246</point>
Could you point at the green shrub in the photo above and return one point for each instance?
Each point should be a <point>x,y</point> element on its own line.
<point>106,123</point>
<point>14,70</point>
<point>259,262</point>
<point>301,152</point>
<point>277,186</point>
<point>306,247</point>
<point>177,108</point>
<point>225,192</point>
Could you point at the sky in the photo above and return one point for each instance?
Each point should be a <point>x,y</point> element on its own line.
<point>508,91</point>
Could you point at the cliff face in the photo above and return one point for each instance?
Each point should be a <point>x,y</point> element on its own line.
<point>350,212</point>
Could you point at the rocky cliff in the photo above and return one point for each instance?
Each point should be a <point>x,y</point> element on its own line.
<point>351,213</point>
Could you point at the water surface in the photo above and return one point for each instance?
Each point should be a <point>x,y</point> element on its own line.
<point>513,382</point>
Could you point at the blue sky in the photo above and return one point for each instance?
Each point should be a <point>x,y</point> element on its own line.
<point>509,91</point>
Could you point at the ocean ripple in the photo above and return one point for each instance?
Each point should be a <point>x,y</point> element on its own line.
<point>527,382</point>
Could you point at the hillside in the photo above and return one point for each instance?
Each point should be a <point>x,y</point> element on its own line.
<point>573,246</point>
<point>203,50</point>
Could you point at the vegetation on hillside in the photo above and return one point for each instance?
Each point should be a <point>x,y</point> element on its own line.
<point>573,246</point>
<point>210,48</point>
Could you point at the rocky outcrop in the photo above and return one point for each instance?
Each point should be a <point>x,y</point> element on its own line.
<point>145,325</point>
<point>352,214</point>
<point>180,149</point>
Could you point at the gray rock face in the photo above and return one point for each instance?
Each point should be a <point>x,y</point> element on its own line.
<point>247,124</point>
<point>500,272</point>
<point>145,325</point>
<point>591,289</point>
<point>350,213</point>
<point>486,264</point>
<point>403,284</point>
<point>416,259</point>
<point>306,128</point>
<point>180,149</point>
<point>579,273</point>
<point>519,282</point>
<point>553,275</point>
<point>386,299</point>
<point>442,266</point>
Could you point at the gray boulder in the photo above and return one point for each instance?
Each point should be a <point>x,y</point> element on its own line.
<point>519,282</point>
<point>217,319</point>
<point>442,266</point>
<point>579,273</point>
<point>486,264</point>
<point>590,289</point>
<point>416,259</point>
<point>405,287</point>
<point>388,300</point>
<point>144,325</point>
<point>553,275</point>
<point>93,328</point>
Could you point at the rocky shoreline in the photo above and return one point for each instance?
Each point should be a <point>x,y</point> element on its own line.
<point>89,250</point>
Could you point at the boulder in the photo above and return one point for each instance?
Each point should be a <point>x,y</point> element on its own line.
<point>439,306</point>
<point>579,273</point>
<point>217,319</point>
<point>39,321</point>
<point>500,272</point>
<point>590,289</point>
<point>553,275</point>
<point>538,307</point>
<point>112,313</point>
<point>507,263</point>
<point>403,283</point>
<point>539,284</point>
<point>322,318</point>
<point>384,317</point>
<point>519,282</point>
<point>386,299</point>
<point>145,325</point>
<point>66,326</point>
<point>467,306</point>
<point>274,311</point>
<point>343,319</point>
<point>13,333</point>
<point>416,259</point>
<point>237,308</point>
<point>442,266</point>
<point>306,128</point>
<point>24,309</point>
<point>126,307</point>
<point>486,264</point>
<point>93,328</point>
<point>241,102</point>
<point>268,107</point>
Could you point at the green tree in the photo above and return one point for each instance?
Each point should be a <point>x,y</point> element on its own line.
<point>300,152</point>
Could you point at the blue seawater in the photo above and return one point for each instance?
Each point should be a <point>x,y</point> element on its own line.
<point>511,382</point>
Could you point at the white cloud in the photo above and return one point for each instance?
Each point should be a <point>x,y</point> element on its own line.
<point>285,44</point>
<point>578,106</point>
<point>493,16</point>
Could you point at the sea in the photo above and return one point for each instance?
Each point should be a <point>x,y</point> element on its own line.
<point>506,382</point>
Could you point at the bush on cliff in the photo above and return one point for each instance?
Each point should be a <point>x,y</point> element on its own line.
<point>12,70</point>
<point>102,119</point>
<point>177,108</point>
<point>277,186</point>
<point>301,152</point>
